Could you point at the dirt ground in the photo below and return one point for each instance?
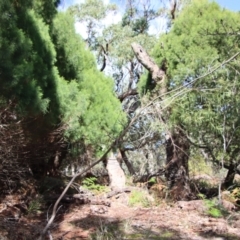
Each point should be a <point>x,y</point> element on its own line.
<point>179,220</point>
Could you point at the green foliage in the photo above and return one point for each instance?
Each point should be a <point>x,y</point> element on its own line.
<point>88,104</point>
<point>107,232</point>
<point>152,180</point>
<point>47,71</point>
<point>214,210</point>
<point>92,185</point>
<point>146,84</point>
<point>118,37</point>
<point>201,196</point>
<point>122,38</point>
<point>139,25</point>
<point>138,198</point>
<point>198,165</point>
<point>96,114</point>
<point>46,9</point>
<point>92,9</point>
<point>91,13</point>
<point>72,57</point>
<point>26,65</point>
<point>138,17</point>
<point>193,53</point>
<point>35,206</point>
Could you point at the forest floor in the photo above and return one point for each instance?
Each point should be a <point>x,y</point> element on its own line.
<point>162,221</point>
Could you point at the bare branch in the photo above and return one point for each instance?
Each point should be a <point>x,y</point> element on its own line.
<point>105,53</point>
<point>173,8</point>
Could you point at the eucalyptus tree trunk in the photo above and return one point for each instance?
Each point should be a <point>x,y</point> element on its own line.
<point>177,156</point>
<point>177,146</point>
<point>115,172</point>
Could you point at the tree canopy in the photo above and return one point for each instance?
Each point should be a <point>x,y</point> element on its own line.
<point>200,55</point>
<point>158,102</point>
<point>90,107</point>
<point>52,78</point>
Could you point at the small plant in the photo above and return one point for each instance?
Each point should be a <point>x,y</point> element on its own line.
<point>213,209</point>
<point>138,198</point>
<point>92,185</point>
<point>34,206</point>
<point>107,232</point>
<point>152,180</point>
<point>201,196</point>
<point>102,233</point>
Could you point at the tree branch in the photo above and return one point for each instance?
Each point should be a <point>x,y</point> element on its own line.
<point>105,53</point>
<point>143,57</point>
<point>173,8</point>
<point>127,162</point>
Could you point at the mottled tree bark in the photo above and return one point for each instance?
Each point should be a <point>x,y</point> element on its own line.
<point>177,156</point>
<point>115,172</point>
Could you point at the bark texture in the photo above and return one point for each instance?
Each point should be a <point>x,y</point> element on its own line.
<point>143,57</point>
<point>116,174</point>
<point>177,174</point>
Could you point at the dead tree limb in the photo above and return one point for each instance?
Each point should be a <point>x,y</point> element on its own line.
<point>105,53</point>
<point>143,57</point>
<point>173,9</point>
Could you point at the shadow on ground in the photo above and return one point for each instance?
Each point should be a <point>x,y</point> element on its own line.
<point>102,228</point>
<point>106,228</point>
